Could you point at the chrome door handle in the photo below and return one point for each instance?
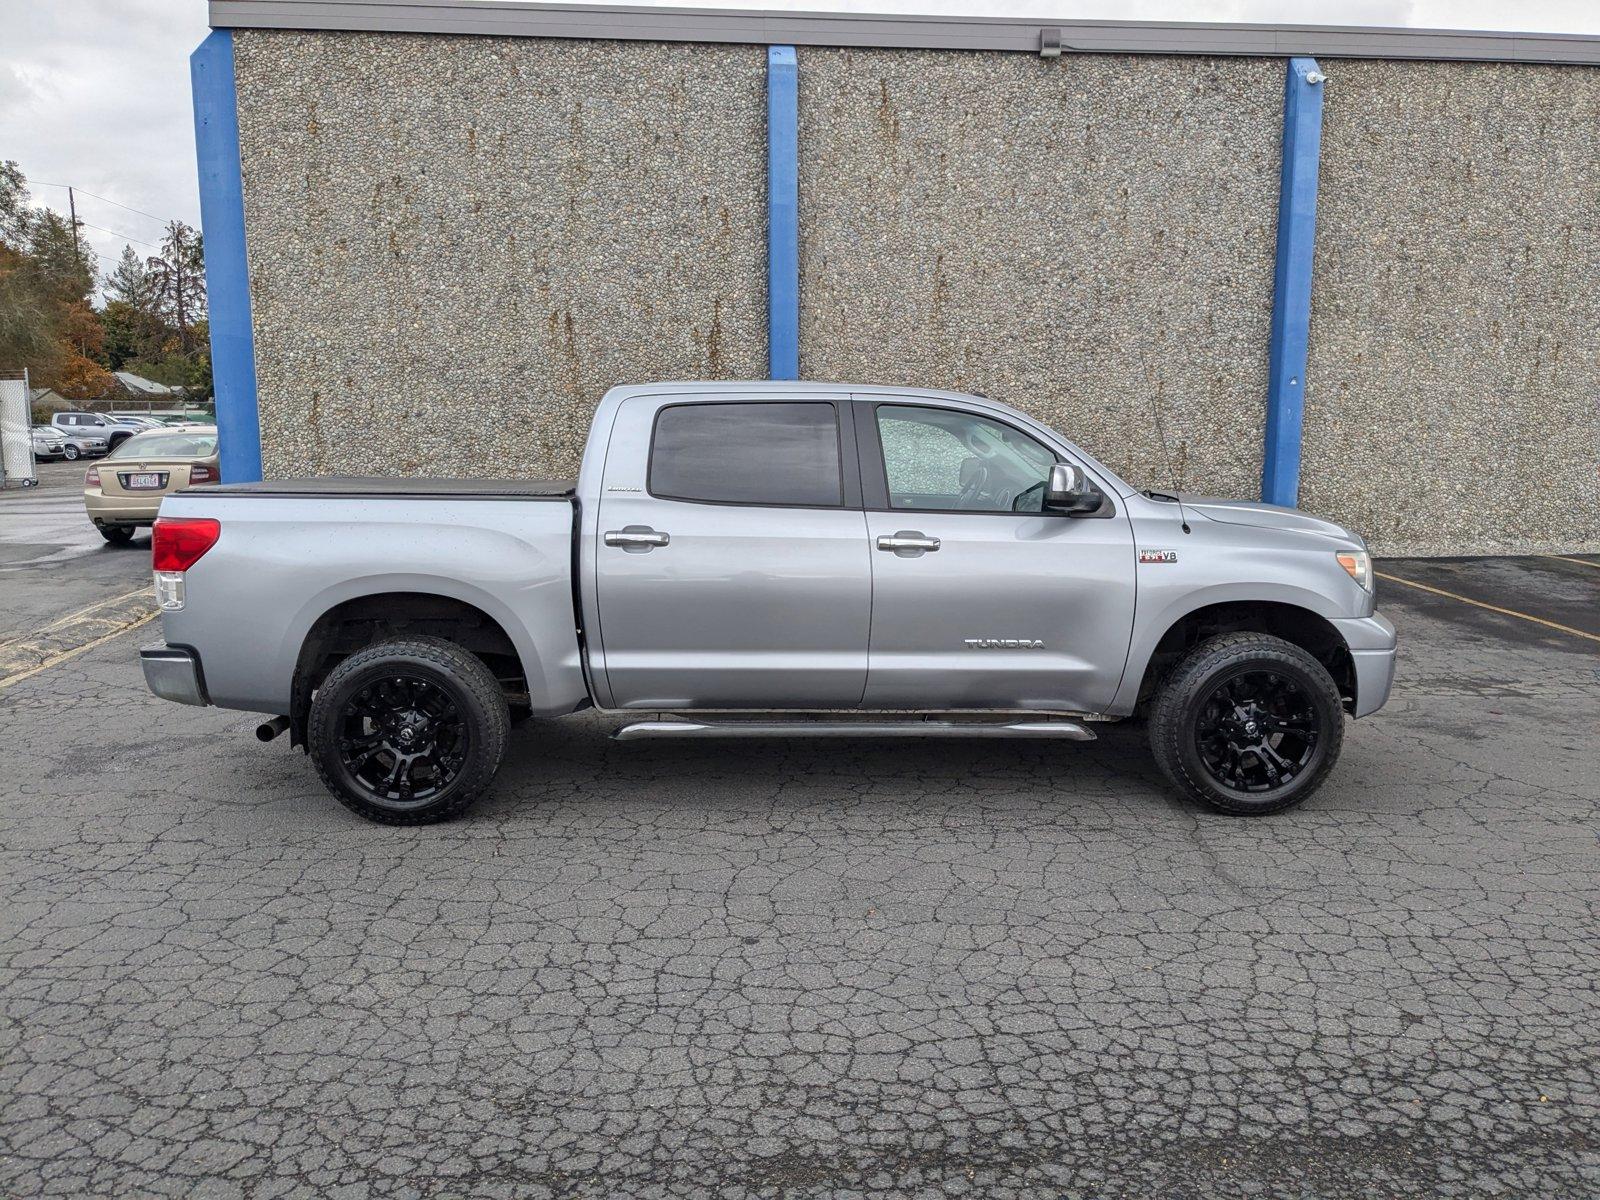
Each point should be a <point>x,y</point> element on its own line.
<point>636,539</point>
<point>907,539</point>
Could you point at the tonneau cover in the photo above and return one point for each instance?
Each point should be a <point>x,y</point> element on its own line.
<point>398,487</point>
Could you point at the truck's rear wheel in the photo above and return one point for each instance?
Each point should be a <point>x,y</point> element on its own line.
<point>1247,723</point>
<point>408,732</point>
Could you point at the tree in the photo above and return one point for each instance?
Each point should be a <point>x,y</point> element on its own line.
<point>178,276</point>
<point>131,316</point>
<point>16,214</point>
<point>130,282</point>
<point>66,265</point>
<point>28,323</point>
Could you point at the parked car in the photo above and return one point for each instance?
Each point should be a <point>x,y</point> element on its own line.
<point>96,424</point>
<point>84,444</point>
<point>48,442</point>
<point>771,560</point>
<point>124,492</point>
<point>136,421</point>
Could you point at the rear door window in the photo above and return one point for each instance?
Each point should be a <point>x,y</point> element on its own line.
<point>781,454</point>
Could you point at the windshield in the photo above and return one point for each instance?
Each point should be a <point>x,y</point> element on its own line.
<point>193,443</point>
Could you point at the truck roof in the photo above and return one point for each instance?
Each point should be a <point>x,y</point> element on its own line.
<point>779,387</point>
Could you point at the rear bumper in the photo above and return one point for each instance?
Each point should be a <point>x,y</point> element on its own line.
<point>122,510</point>
<point>1372,645</point>
<point>173,673</point>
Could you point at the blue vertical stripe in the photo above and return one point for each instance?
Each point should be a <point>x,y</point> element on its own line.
<point>233,356</point>
<point>783,214</point>
<point>1291,299</point>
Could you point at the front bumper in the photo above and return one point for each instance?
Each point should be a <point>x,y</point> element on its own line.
<point>173,673</point>
<point>1372,644</point>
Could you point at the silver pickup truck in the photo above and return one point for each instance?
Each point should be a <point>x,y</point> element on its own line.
<point>771,560</point>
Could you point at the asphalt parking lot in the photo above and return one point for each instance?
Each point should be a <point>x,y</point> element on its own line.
<point>809,969</point>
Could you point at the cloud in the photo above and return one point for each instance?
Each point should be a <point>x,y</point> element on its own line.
<point>95,93</point>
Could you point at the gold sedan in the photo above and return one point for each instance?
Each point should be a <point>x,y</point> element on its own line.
<point>123,492</point>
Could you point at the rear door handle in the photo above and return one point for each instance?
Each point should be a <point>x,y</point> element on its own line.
<point>907,542</point>
<point>636,539</point>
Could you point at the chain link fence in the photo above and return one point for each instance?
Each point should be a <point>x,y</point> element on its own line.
<point>16,434</point>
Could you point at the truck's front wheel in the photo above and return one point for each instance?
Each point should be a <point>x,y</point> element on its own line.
<point>1247,723</point>
<point>408,732</point>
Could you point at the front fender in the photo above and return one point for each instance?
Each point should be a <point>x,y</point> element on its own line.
<point>1159,609</point>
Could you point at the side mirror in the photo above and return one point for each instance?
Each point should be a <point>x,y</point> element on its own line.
<point>1070,492</point>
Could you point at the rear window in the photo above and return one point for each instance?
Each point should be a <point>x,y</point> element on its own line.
<point>189,444</point>
<point>780,454</point>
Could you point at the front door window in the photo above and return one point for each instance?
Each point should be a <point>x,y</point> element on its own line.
<point>942,460</point>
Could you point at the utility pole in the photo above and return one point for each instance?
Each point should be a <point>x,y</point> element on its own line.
<point>72,207</point>
<point>183,325</point>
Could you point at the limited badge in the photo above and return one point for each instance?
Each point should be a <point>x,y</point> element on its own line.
<point>1158,556</point>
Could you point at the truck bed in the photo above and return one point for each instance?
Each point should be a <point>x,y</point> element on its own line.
<point>398,487</point>
<point>291,551</point>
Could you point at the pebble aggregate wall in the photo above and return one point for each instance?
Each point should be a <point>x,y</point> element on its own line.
<point>457,244</point>
<point>1453,385</point>
<point>1090,239</point>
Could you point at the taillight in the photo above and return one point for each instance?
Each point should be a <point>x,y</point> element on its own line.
<point>91,477</point>
<point>176,543</point>
<point>202,474</point>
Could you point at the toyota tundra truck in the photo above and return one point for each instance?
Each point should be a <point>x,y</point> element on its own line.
<point>772,560</point>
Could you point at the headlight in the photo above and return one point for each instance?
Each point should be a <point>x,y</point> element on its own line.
<point>1359,564</point>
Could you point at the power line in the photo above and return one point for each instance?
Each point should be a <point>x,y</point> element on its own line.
<point>114,233</point>
<point>118,203</point>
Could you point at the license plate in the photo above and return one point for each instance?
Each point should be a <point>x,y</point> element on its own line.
<point>144,481</point>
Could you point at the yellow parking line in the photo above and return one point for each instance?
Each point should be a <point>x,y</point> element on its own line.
<point>56,660</point>
<point>1509,612</point>
<point>73,616</point>
<point>1582,562</point>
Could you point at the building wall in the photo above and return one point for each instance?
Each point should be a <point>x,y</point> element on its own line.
<point>1090,239</point>
<point>1453,386</point>
<point>457,244</point>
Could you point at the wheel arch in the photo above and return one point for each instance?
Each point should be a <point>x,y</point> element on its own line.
<point>355,622</point>
<point>1294,623</point>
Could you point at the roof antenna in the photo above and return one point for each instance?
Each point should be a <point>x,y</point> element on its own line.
<point>1161,433</point>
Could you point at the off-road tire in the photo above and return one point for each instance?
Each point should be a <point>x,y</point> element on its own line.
<point>117,535</point>
<point>1175,713</point>
<point>473,687</point>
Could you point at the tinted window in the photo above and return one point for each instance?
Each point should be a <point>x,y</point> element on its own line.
<point>197,444</point>
<point>747,454</point>
<point>937,458</point>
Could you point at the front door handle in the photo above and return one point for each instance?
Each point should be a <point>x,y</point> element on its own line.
<point>908,543</point>
<point>636,539</point>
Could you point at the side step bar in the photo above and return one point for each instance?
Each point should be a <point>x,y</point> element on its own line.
<point>1071,731</point>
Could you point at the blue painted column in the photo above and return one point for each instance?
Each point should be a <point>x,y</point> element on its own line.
<point>233,355</point>
<point>1291,299</point>
<point>783,214</point>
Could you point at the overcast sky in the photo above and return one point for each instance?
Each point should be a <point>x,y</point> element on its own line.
<point>95,93</point>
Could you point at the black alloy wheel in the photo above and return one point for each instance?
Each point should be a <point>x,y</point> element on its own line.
<point>1256,731</point>
<point>404,740</point>
<point>408,731</point>
<point>1247,723</point>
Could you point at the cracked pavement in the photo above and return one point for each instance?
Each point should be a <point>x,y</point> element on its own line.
<point>810,969</point>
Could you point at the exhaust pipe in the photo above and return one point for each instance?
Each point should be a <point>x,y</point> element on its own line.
<point>268,730</point>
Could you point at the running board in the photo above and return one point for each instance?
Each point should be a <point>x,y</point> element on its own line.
<point>1071,731</point>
